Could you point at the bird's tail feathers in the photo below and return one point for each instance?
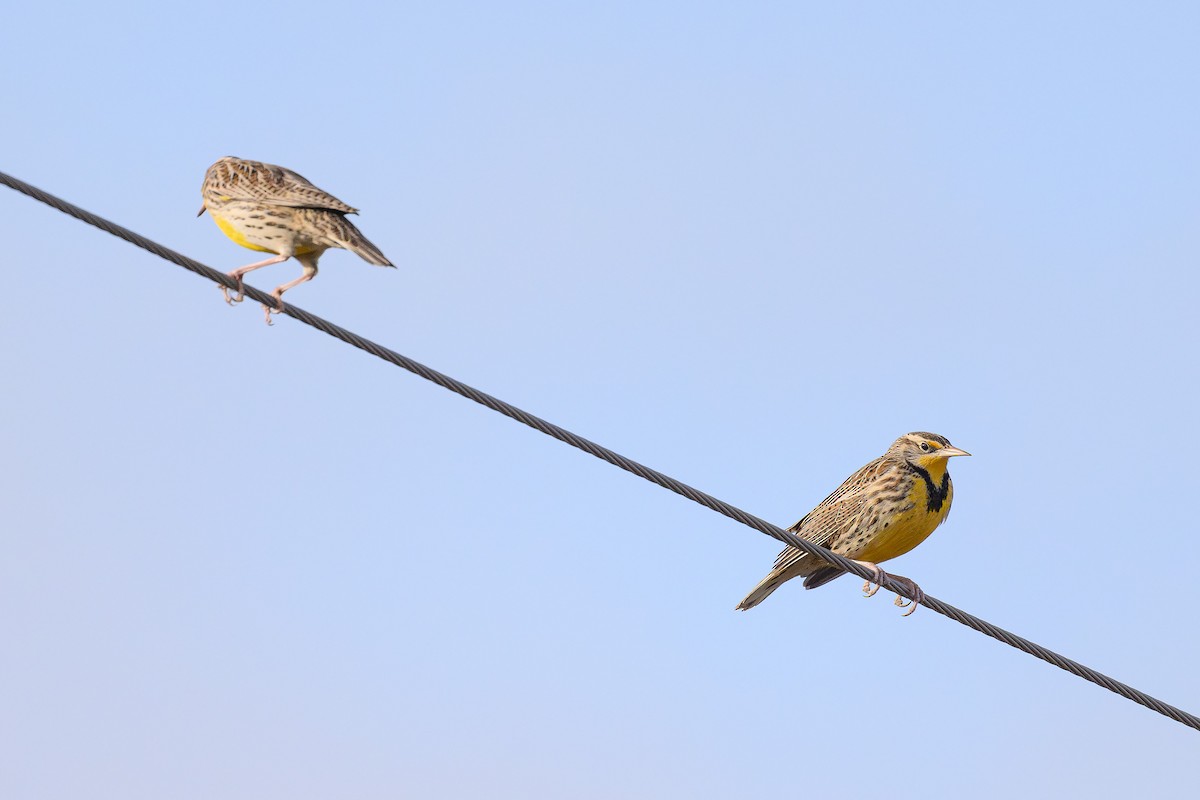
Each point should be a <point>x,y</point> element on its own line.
<point>368,252</point>
<point>762,591</point>
<point>351,238</point>
<point>822,576</point>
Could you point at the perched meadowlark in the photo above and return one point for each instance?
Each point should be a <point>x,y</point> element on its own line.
<point>882,511</point>
<point>274,210</point>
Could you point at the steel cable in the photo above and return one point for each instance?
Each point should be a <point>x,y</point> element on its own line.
<point>614,458</point>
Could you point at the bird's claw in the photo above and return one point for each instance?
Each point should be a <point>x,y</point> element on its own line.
<point>268,310</point>
<point>903,602</point>
<point>241,293</point>
<point>872,586</point>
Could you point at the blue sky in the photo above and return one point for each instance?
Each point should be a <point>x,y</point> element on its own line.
<point>748,246</point>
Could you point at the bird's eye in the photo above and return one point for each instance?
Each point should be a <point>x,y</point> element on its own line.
<point>925,446</point>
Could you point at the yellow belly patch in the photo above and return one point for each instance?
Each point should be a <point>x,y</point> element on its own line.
<point>238,236</point>
<point>903,534</point>
<point>908,529</point>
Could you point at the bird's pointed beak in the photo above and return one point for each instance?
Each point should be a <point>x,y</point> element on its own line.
<point>201,213</point>
<point>952,451</point>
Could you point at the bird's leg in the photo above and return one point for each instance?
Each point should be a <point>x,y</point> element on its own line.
<point>240,271</point>
<point>872,586</point>
<point>310,272</point>
<point>869,590</point>
<point>913,589</point>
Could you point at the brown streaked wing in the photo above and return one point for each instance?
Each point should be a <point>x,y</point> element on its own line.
<point>274,185</point>
<point>829,518</point>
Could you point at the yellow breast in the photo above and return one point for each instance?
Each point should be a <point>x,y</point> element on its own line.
<point>906,529</point>
<point>233,233</point>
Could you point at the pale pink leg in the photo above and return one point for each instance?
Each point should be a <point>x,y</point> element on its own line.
<point>240,271</point>
<point>310,272</point>
<point>869,590</point>
<point>872,586</point>
<point>913,589</point>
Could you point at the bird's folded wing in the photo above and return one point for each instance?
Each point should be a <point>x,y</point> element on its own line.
<point>831,516</point>
<point>279,186</point>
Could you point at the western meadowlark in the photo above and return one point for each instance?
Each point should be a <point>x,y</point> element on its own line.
<point>274,210</point>
<point>882,511</point>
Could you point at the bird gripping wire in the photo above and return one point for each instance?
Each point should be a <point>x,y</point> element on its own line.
<point>612,457</point>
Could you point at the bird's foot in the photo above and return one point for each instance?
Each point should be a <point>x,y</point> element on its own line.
<point>241,292</point>
<point>277,309</point>
<point>913,589</point>
<point>872,586</point>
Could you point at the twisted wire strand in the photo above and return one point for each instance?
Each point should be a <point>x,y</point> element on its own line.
<point>612,457</point>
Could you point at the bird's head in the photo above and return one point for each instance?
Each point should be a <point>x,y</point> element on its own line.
<point>924,450</point>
